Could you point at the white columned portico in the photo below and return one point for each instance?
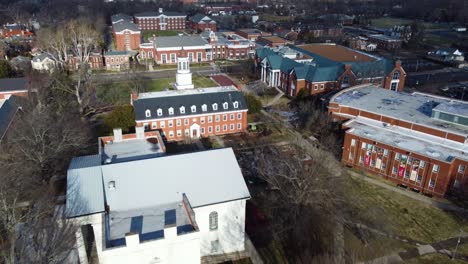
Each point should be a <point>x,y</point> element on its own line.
<point>195,131</point>
<point>183,76</point>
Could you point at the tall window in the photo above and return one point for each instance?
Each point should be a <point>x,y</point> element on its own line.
<point>159,111</point>
<point>396,75</point>
<point>148,113</point>
<point>214,221</point>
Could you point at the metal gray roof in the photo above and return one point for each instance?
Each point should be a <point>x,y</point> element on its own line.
<point>13,84</point>
<point>125,25</point>
<point>415,107</point>
<point>180,41</point>
<point>85,193</point>
<point>8,109</point>
<point>188,98</point>
<point>120,16</point>
<point>207,177</point>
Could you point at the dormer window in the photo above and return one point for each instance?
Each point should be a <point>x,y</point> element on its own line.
<point>193,109</point>
<point>396,75</point>
<point>171,111</point>
<point>236,104</point>
<point>148,113</point>
<point>225,105</point>
<point>204,108</point>
<point>215,106</point>
<point>159,112</point>
<point>182,110</point>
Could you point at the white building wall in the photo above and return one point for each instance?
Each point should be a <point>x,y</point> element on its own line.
<point>231,227</point>
<point>180,249</point>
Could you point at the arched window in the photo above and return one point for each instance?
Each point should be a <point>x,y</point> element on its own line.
<point>214,221</point>
<point>204,108</point>
<point>396,75</point>
<point>215,106</point>
<point>225,105</point>
<point>193,108</point>
<point>171,111</point>
<point>148,113</point>
<point>182,110</point>
<point>159,112</point>
<point>236,104</point>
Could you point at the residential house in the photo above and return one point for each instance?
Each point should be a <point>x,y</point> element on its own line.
<point>188,113</point>
<point>43,62</point>
<point>16,31</point>
<point>166,50</point>
<point>95,62</point>
<point>139,214</point>
<point>160,21</point>
<point>416,140</point>
<point>447,55</point>
<point>200,23</point>
<point>117,60</point>
<point>320,68</point>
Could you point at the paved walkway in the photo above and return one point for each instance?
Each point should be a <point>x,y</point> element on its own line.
<point>277,97</point>
<point>439,204</point>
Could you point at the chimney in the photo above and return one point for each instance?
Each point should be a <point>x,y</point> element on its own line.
<point>398,63</point>
<point>170,224</point>
<point>132,239</point>
<point>140,132</point>
<point>160,10</point>
<point>117,134</point>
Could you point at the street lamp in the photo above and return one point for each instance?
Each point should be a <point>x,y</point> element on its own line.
<point>458,243</point>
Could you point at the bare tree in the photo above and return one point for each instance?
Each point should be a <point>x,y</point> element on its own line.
<point>71,46</point>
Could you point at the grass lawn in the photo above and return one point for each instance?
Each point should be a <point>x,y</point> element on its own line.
<point>167,33</point>
<point>398,214</point>
<point>386,22</point>
<point>432,259</point>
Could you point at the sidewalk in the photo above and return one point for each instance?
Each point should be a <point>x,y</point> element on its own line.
<point>439,204</point>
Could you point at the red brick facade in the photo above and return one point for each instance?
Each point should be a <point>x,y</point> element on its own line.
<point>170,56</point>
<point>178,128</point>
<point>127,40</point>
<point>420,172</point>
<point>200,27</point>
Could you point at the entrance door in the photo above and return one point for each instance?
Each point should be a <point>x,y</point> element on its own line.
<point>195,131</point>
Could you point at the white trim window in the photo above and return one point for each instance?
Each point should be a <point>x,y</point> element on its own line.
<point>432,183</point>
<point>178,122</point>
<point>154,125</point>
<point>236,104</point>
<point>422,164</point>
<point>217,118</point>
<point>171,133</point>
<point>224,117</point>
<point>239,126</point>
<point>461,168</point>
<point>353,142</point>
<point>179,133</point>
<point>239,116</point>
<point>210,119</point>
<point>232,116</point>
<point>210,129</point>
<point>215,106</point>
<point>162,124</point>
<point>170,123</point>
<point>159,112</point>
<point>363,145</point>
<point>186,121</point>
<point>225,105</point>
<point>193,108</point>
<point>204,108</point>
<point>217,128</point>
<point>435,168</point>
<point>224,127</point>
<point>182,110</point>
<point>148,113</point>
<point>171,111</point>
<point>202,120</point>
<point>231,127</point>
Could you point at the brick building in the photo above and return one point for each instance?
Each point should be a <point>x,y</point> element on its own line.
<point>252,34</point>
<point>202,23</point>
<point>273,41</point>
<point>96,61</point>
<point>417,140</point>
<point>160,21</point>
<point>188,113</point>
<point>166,50</point>
<point>127,35</point>
<point>319,68</point>
<point>229,46</point>
<point>385,42</point>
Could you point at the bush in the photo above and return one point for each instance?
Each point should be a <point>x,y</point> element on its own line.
<point>253,103</point>
<point>122,117</point>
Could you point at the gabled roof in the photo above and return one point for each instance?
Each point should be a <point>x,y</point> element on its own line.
<point>85,194</point>
<point>207,177</point>
<point>125,25</point>
<point>120,17</point>
<point>188,98</point>
<point>41,57</point>
<point>202,18</point>
<point>180,41</point>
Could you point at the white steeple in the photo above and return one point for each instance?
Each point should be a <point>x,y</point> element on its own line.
<point>183,76</point>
